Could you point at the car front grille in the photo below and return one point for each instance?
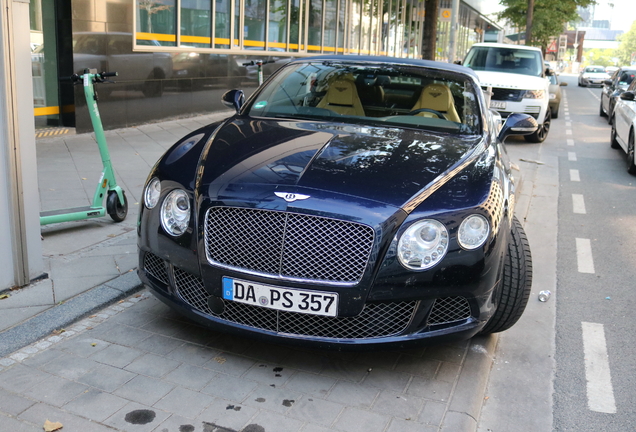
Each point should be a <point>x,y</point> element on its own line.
<point>376,319</point>
<point>448,310</point>
<point>288,245</point>
<point>503,94</point>
<point>156,267</point>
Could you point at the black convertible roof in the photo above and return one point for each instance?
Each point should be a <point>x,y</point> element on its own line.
<point>354,59</point>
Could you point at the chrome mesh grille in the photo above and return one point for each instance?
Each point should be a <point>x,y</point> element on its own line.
<point>448,310</point>
<point>190,289</point>
<point>156,267</point>
<point>288,245</point>
<point>376,320</point>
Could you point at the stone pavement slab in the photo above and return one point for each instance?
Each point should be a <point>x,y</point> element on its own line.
<point>118,370</point>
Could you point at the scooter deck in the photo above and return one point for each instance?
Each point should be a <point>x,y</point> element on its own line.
<point>69,210</point>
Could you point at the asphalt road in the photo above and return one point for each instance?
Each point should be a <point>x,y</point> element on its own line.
<point>568,365</point>
<point>595,331</point>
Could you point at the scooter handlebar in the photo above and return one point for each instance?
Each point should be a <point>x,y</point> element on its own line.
<point>108,74</point>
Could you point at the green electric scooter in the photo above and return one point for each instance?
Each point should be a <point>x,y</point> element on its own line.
<point>116,202</point>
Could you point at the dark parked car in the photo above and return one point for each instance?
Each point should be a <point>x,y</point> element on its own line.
<point>612,89</point>
<point>351,201</point>
<point>555,93</point>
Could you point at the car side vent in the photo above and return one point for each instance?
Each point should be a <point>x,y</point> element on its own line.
<point>448,310</point>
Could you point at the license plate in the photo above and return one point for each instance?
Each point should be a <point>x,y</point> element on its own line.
<point>497,104</point>
<point>274,297</point>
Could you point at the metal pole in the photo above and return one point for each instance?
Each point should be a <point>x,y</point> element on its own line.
<point>452,41</point>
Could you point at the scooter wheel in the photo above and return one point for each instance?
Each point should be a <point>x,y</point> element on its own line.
<point>115,210</point>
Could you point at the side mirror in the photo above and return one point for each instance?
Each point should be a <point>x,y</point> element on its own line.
<point>563,84</point>
<point>518,124</point>
<point>233,99</point>
<point>458,62</point>
<point>607,82</point>
<point>628,96</point>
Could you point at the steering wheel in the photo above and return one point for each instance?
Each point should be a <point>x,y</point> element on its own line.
<point>437,113</point>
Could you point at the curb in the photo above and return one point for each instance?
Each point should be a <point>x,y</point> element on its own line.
<point>465,407</point>
<point>62,315</point>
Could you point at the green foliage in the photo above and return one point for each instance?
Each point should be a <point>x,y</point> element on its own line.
<point>601,57</point>
<point>548,20</point>
<point>627,47</point>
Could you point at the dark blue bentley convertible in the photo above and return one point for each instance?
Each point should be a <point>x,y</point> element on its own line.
<point>349,201</point>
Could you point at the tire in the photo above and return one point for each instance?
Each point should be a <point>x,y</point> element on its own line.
<point>115,210</point>
<point>600,110</point>
<point>555,113</point>
<point>516,282</point>
<point>613,143</point>
<point>631,163</point>
<point>542,132</point>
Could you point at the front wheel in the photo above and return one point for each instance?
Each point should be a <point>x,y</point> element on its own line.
<point>542,131</point>
<point>600,110</point>
<point>114,208</point>
<point>631,163</point>
<point>613,143</point>
<point>515,284</point>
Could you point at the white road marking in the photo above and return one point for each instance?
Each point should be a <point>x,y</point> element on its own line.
<point>572,156</point>
<point>600,393</point>
<point>568,131</point>
<point>574,175</point>
<point>578,204</point>
<point>570,142</point>
<point>594,94</point>
<point>584,256</point>
<point>568,124</point>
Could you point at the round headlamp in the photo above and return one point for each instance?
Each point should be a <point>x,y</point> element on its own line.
<point>423,245</point>
<point>473,232</point>
<point>152,192</point>
<point>175,212</point>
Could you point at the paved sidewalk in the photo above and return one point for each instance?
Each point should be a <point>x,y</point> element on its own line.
<point>90,348</point>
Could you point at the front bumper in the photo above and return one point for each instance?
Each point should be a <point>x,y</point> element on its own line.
<point>390,323</point>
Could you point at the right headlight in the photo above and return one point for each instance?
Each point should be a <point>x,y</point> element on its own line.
<point>533,94</point>
<point>175,212</point>
<point>423,245</point>
<point>151,195</point>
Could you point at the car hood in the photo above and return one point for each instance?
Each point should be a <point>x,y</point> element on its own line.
<point>250,161</point>
<point>511,80</point>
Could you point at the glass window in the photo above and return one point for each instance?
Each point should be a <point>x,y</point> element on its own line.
<point>196,23</point>
<point>331,21</point>
<point>222,15</point>
<point>254,24</point>
<point>156,22</point>
<point>278,17</point>
<point>355,26</point>
<point>314,26</point>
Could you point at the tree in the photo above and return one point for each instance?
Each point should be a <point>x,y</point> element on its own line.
<point>548,17</point>
<point>429,35</point>
<point>627,49</point>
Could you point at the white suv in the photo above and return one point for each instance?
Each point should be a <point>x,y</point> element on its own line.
<point>518,80</point>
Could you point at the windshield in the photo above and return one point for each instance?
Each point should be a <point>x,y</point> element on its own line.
<point>378,94</point>
<point>595,69</point>
<point>511,60</point>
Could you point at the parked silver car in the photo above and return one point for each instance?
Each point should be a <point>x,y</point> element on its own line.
<point>624,125</point>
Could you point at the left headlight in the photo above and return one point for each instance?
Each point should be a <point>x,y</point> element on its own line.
<point>423,245</point>
<point>175,212</point>
<point>473,232</point>
<point>534,94</point>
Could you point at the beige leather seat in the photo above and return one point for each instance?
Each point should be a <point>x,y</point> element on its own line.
<point>437,97</point>
<point>342,97</point>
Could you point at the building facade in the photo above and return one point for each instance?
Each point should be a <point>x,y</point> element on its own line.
<point>177,57</point>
